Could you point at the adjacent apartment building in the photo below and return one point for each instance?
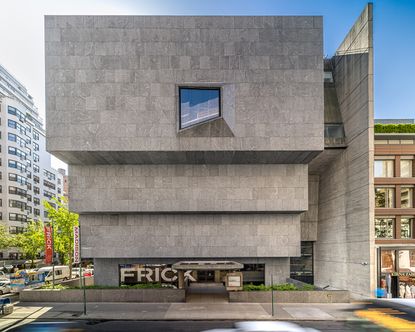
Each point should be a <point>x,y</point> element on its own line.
<point>216,141</point>
<point>394,206</point>
<point>26,176</point>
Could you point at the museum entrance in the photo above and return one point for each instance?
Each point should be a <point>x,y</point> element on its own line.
<point>206,276</point>
<point>207,279</point>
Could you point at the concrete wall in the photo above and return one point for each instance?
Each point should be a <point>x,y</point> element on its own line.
<point>187,188</point>
<point>190,235</point>
<point>104,295</point>
<point>309,218</point>
<point>346,211</point>
<point>291,297</point>
<point>111,84</point>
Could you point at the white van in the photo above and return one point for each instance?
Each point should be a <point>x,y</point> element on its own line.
<point>61,273</point>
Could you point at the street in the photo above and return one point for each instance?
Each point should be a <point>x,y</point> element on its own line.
<point>185,326</point>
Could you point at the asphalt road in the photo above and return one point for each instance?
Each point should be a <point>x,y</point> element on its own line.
<point>180,326</point>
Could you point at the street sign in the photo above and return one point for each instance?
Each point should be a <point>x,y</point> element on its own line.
<point>48,245</point>
<point>76,255</point>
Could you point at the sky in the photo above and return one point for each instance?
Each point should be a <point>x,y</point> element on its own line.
<point>22,38</point>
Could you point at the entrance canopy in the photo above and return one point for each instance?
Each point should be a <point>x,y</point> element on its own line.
<point>207,265</point>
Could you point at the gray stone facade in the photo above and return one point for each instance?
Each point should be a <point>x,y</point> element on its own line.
<point>189,188</point>
<point>112,86</point>
<point>248,186</point>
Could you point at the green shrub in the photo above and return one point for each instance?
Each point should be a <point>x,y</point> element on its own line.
<point>395,128</point>
<point>57,286</point>
<point>308,287</point>
<point>278,287</point>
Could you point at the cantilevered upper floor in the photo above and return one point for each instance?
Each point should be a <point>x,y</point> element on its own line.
<point>184,89</point>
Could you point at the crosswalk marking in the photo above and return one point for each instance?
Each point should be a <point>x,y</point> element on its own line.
<point>383,318</point>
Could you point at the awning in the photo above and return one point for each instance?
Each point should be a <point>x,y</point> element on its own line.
<point>207,265</point>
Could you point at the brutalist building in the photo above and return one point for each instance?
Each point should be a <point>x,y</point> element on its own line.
<point>215,141</point>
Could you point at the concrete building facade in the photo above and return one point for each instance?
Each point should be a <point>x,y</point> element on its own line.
<point>26,175</point>
<point>237,171</point>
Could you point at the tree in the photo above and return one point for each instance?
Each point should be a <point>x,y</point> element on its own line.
<point>6,239</point>
<point>32,241</point>
<point>63,223</point>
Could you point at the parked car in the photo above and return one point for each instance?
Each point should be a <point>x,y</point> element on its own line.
<point>4,287</point>
<point>61,273</point>
<point>3,276</point>
<point>85,272</point>
<point>265,326</point>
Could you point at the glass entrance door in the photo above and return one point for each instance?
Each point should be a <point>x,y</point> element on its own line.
<point>206,276</point>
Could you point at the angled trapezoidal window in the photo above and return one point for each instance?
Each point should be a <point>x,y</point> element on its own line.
<point>198,105</point>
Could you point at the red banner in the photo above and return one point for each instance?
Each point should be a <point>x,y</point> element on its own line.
<point>48,245</point>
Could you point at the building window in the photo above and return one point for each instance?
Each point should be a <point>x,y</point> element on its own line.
<point>35,135</point>
<point>35,157</point>
<point>384,228</point>
<point>36,169</point>
<point>406,228</point>
<point>406,261</point>
<point>384,197</point>
<point>36,190</point>
<point>388,261</point>
<point>35,147</point>
<point>36,212</point>
<point>384,168</point>
<point>198,105</point>
<point>17,217</point>
<point>407,197</point>
<point>301,268</point>
<point>406,168</point>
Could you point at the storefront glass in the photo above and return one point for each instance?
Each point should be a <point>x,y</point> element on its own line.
<point>397,273</point>
<point>388,261</point>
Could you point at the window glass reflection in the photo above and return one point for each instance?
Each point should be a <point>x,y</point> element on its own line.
<point>406,197</point>
<point>388,261</point>
<point>384,197</point>
<point>384,228</point>
<point>407,260</point>
<point>384,168</point>
<point>406,228</point>
<point>198,105</point>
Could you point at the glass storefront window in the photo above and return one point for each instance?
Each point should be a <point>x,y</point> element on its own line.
<point>384,197</point>
<point>384,168</point>
<point>407,260</point>
<point>384,228</point>
<point>406,228</point>
<point>407,197</point>
<point>406,168</point>
<point>388,261</point>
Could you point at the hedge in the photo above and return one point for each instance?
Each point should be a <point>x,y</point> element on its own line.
<point>279,287</point>
<point>395,128</point>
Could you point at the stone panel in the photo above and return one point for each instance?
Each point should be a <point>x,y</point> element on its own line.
<point>111,83</point>
<point>191,236</point>
<point>188,188</point>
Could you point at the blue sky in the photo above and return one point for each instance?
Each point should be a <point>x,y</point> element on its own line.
<point>394,28</point>
<point>394,36</point>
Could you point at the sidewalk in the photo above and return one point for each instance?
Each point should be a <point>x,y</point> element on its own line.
<point>182,311</point>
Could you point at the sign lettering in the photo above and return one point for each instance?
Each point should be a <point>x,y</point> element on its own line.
<point>141,274</point>
<point>76,251</point>
<point>48,245</point>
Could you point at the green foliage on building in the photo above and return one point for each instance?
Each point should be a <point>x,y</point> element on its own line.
<point>394,128</point>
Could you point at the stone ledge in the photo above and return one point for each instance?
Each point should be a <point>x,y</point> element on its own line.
<point>104,295</point>
<point>332,296</point>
